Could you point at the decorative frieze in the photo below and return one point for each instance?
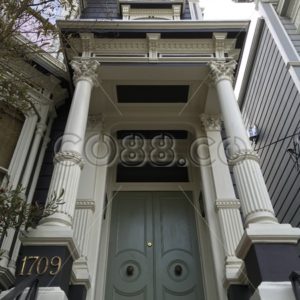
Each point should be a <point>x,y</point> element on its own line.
<point>115,48</point>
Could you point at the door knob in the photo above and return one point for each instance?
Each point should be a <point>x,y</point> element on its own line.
<point>149,244</point>
<point>129,270</point>
<point>178,270</point>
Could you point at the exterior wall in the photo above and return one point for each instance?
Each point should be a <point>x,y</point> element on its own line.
<point>272,103</point>
<point>108,9</point>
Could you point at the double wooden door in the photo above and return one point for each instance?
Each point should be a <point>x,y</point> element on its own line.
<point>153,250</point>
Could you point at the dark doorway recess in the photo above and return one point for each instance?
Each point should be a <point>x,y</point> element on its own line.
<point>150,134</point>
<point>152,93</point>
<point>152,173</point>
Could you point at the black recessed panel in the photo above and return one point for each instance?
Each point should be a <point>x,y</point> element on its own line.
<point>149,173</point>
<point>150,134</point>
<point>152,93</point>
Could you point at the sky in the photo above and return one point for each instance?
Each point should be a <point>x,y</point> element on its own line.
<point>227,10</point>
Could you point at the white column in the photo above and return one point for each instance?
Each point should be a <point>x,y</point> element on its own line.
<point>255,200</point>
<point>15,171</point>
<point>227,206</point>
<point>213,225</point>
<point>41,126</point>
<point>68,162</point>
<point>22,148</point>
<point>39,133</point>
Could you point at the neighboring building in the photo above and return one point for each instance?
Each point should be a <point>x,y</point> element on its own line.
<point>150,209</point>
<point>271,100</point>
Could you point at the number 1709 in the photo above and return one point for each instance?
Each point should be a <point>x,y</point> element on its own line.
<point>40,265</point>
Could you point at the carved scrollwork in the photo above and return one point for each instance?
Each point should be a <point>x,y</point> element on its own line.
<point>248,154</point>
<point>69,156</point>
<point>211,122</point>
<point>85,70</point>
<point>222,70</point>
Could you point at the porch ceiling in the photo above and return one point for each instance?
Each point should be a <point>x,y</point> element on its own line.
<point>104,98</point>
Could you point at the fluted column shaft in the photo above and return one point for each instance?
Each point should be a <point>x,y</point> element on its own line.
<point>255,200</point>
<point>227,206</point>
<point>68,162</point>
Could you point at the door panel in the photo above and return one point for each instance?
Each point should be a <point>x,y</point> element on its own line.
<point>178,273</point>
<point>130,227</point>
<point>169,267</point>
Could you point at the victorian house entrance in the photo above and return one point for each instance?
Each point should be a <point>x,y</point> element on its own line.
<point>150,211</point>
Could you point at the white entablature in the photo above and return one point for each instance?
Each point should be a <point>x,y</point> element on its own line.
<point>141,49</point>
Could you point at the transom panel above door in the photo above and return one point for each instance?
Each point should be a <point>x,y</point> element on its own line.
<point>153,251</point>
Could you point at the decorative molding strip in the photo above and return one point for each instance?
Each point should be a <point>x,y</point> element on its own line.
<point>242,155</point>
<point>85,204</point>
<point>137,47</point>
<point>228,204</point>
<point>70,156</point>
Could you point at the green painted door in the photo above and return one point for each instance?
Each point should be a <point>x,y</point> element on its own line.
<point>153,253</point>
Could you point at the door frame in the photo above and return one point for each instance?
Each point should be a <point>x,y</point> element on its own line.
<point>194,185</point>
<point>207,264</point>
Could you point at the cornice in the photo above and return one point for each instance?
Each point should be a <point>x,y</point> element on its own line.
<point>93,24</point>
<point>45,59</point>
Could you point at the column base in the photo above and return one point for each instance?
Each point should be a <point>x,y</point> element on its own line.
<point>7,278</point>
<point>44,293</point>
<point>48,252</point>
<point>80,273</point>
<point>51,236</point>
<point>270,253</point>
<point>274,290</point>
<point>77,292</point>
<point>47,293</point>
<point>235,272</point>
<point>238,292</point>
<point>267,233</point>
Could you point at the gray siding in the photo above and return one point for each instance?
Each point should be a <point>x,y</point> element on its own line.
<point>108,9</point>
<point>273,103</point>
<point>292,32</point>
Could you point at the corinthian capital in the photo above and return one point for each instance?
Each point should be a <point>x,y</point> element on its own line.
<point>222,70</point>
<point>85,70</point>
